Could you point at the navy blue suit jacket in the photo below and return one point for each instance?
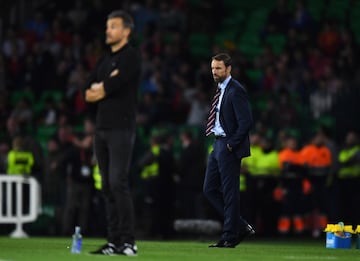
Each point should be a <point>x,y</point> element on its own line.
<point>236,118</point>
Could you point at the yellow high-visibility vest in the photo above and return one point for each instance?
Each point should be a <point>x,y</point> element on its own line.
<point>351,170</point>
<point>242,183</point>
<point>268,164</point>
<point>152,170</point>
<point>19,162</point>
<point>97,177</point>
<point>251,163</point>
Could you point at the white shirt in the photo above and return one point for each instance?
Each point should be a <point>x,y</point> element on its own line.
<point>218,129</point>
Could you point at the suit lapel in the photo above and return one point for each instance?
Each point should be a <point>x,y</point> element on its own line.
<point>224,98</point>
<point>225,94</point>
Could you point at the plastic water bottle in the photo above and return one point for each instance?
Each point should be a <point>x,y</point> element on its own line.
<point>76,241</point>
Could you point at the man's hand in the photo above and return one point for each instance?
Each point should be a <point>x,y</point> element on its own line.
<point>114,73</point>
<point>229,147</point>
<point>95,93</point>
<point>96,85</point>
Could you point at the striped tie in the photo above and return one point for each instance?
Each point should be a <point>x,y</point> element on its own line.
<point>211,119</point>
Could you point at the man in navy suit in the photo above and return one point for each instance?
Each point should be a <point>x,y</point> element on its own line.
<point>230,125</point>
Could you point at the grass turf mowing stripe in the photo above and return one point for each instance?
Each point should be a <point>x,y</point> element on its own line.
<point>37,248</point>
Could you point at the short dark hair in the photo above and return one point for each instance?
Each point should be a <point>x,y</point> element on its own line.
<point>223,57</point>
<point>127,19</point>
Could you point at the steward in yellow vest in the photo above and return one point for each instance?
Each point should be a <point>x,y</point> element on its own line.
<point>349,159</point>
<point>19,162</point>
<point>149,165</point>
<point>151,170</point>
<point>97,177</point>
<point>264,170</point>
<point>349,179</point>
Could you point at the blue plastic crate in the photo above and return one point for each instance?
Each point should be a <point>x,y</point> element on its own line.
<point>334,241</point>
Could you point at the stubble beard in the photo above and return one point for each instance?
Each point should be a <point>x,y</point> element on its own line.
<point>218,79</point>
<point>112,42</point>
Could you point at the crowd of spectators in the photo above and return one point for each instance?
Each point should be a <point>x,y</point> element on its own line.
<point>44,62</point>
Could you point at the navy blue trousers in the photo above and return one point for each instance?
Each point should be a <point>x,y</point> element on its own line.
<point>222,188</point>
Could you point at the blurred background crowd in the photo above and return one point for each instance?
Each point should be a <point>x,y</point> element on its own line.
<point>298,59</point>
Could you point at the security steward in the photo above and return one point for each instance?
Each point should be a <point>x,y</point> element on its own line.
<point>349,179</point>
<point>19,161</point>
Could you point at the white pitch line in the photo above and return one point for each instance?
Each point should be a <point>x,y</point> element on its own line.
<point>310,257</point>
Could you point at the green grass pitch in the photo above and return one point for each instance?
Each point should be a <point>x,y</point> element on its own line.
<point>53,249</point>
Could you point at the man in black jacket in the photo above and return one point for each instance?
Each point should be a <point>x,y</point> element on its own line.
<point>113,87</point>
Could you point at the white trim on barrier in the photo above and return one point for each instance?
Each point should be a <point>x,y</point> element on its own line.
<point>13,185</point>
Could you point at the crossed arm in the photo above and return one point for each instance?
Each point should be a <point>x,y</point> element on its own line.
<point>95,93</point>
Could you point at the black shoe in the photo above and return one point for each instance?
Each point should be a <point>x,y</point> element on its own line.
<point>220,243</point>
<point>249,231</point>
<point>225,244</point>
<point>128,249</point>
<point>110,249</point>
<point>107,249</point>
